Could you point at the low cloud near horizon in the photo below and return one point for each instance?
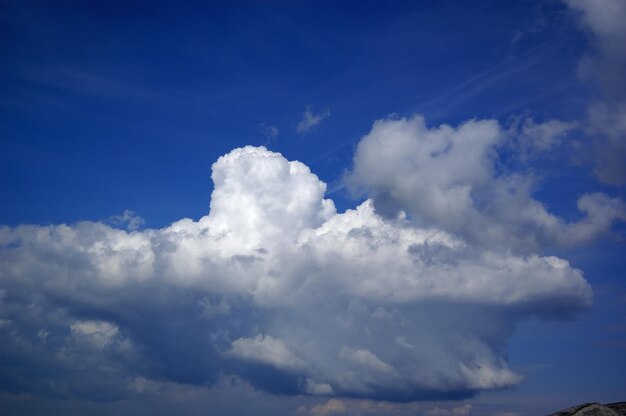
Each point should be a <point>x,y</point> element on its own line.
<point>410,296</point>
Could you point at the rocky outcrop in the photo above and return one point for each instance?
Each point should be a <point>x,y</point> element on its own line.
<point>594,409</point>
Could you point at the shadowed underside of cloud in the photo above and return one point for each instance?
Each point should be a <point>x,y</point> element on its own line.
<point>410,296</point>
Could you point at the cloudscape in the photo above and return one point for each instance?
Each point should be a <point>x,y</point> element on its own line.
<point>312,208</point>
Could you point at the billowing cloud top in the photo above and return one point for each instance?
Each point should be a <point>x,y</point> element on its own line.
<point>401,299</point>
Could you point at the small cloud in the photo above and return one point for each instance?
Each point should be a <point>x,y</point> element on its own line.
<point>141,385</point>
<point>317,389</point>
<point>331,407</point>
<point>456,411</point>
<point>544,136</point>
<point>529,139</point>
<point>310,120</point>
<point>96,333</point>
<point>265,349</point>
<point>365,407</point>
<point>270,132</point>
<point>128,220</point>
<point>365,358</point>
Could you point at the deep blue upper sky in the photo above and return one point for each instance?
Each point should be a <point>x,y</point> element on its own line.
<point>113,106</point>
<point>116,106</point>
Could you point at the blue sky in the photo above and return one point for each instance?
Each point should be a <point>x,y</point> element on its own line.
<point>148,266</point>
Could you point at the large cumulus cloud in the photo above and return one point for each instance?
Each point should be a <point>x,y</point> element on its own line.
<point>391,300</point>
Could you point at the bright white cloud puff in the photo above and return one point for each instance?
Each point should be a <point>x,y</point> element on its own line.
<point>275,287</point>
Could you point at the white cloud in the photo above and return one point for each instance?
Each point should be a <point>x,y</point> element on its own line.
<point>317,389</point>
<point>128,220</point>
<point>97,333</point>
<point>266,350</point>
<point>260,199</point>
<point>530,139</point>
<point>448,178</point>
<point>332,406</point>
<point>365,358</point>
<point>310,120</point>
<point>273,275</point>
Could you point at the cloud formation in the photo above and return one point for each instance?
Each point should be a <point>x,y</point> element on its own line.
<point>364,407</point>
<point>129,220</point>
<point>277,288</point>
<point>450,178</point>
<point>311,120</point>
<point>604,20</point>
<point>605,66</point>
<point>529,139</point>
